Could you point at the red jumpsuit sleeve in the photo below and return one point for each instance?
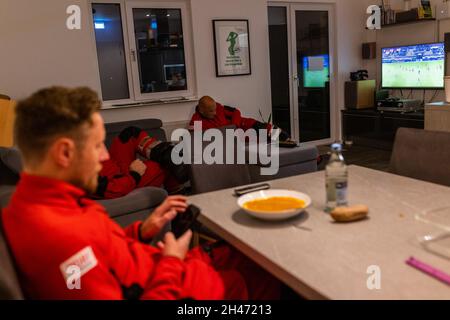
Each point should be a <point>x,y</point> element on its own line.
<point>195,117</point>
<point>206,123</point>
<point>141,267</point>
<point>132,231</point>
<point>160,277</point>
<point>167,280</point>
<point>233,115</point>
<point>119,186</point>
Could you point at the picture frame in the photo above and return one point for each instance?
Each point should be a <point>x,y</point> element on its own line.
<point>232,47</point>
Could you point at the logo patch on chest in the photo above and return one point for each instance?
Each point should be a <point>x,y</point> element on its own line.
<point>84,260</point>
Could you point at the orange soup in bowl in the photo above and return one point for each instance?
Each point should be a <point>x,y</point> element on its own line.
<point>274,204</point>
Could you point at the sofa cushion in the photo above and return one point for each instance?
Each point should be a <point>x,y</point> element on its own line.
<point>293,156</point>
<point>12,159</point>
<point>137,200</point>
<point>290,156</point>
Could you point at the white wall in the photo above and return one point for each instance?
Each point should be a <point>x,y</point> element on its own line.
<point>37,51</point>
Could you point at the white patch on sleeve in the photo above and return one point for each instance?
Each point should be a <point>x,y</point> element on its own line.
<point>84,259</point>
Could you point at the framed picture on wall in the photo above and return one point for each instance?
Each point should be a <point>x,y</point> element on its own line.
<point>232,47</point>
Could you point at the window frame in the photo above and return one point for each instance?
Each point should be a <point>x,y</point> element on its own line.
<point>135,95</point>
<point>187,46</point>
<point>131,99</point>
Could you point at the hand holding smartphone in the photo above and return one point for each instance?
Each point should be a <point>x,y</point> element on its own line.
<point>184,220</point>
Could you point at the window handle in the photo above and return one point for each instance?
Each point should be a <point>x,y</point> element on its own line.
<point>297,79</point>
<point>133,55</point>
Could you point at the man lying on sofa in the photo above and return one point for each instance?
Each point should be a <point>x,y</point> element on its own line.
<point>123,171</point>
<point>66,247</point>
<point>215,115</point>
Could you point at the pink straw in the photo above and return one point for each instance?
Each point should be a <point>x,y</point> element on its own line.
<point>435,273</point>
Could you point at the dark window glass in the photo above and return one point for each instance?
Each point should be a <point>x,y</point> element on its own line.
<point>313,59</point>
<point>110,51</point>
<point>160,49</point>
<point>279,67</point>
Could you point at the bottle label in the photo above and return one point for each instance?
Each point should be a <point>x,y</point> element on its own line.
<point>341,193</point>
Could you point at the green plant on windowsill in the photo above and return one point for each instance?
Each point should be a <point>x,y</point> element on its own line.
<point>284,136</point>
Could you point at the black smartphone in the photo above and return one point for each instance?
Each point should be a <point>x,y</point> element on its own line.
<point>256,187</point>
<point>184,220</point>
<point>288,144</point>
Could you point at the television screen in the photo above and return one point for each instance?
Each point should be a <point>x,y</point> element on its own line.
<point>316,71</point>
<point>413,67</point>
<point>174,70</point>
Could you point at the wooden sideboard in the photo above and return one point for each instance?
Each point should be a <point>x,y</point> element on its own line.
<point>376,129</point>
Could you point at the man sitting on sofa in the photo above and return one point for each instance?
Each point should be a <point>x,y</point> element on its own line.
<point>123,172</point>
<point>215,115</point>
<point>66,247</point>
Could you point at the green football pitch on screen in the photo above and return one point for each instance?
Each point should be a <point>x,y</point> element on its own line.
<point>316,79</point>
<point>422,74</point>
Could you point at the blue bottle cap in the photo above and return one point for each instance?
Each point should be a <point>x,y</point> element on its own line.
<point>336,147</point>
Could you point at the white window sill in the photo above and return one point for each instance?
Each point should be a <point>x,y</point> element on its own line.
<point>163,101</point>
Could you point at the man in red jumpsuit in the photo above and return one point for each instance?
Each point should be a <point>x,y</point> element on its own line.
<point>214,115</point>
<point>123,172</point>
<point>66,247</point>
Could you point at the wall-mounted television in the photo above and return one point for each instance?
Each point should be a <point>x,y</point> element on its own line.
<point>316,71</point>
<point>420,66</point>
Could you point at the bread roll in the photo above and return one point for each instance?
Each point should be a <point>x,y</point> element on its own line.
<point>347,214</point>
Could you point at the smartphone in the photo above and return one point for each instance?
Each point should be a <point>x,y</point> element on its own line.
<point>184,220</point>
<point>256,187</point>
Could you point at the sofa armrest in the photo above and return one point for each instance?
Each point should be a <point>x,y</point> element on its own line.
<point>137,200</point>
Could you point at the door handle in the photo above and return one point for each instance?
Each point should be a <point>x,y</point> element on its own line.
<point>133,55</point>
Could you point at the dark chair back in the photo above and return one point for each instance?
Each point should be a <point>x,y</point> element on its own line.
<point>422,154</point>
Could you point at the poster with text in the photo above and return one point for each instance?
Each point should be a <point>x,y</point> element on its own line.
<point>232,47</point>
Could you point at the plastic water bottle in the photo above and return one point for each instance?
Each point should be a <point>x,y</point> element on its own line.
<point>336,177</point>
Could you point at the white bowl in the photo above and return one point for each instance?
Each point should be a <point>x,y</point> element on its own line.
<point>278,215</point>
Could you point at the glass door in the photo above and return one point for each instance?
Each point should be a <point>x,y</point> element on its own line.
<point>313,89</point>
<point>301,65</point>
<point>279,66</point>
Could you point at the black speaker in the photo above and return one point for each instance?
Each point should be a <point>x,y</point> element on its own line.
<point>369,50</point>
<point>447,42</point>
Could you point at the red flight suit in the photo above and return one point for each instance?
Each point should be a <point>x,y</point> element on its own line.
<point>116,180</point>
<point>224,116</point>
<point>51,226</point>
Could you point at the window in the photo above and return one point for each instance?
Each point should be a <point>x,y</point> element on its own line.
<point>160,50</point>
<point>158,63</point>
<point>110,51</point>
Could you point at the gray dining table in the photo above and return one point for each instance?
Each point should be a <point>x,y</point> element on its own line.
<point>322,259</point>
